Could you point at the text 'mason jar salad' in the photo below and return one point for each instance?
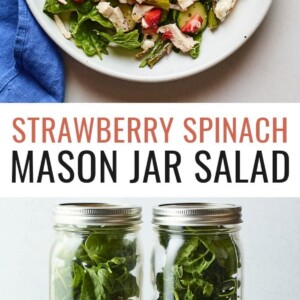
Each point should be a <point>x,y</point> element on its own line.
<point>96,253</point>
<point>197,254</point>
<point>154,28</point>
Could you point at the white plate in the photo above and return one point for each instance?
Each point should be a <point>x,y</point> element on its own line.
<point>215,47</point>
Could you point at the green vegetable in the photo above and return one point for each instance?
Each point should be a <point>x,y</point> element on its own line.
<point>213,22</point>
<point>128,40</point>
<point>87,38</point>
<point>101,267</point>
<point>126,9</point>
<point>164,4</point>
<point>55,7</point>
<point>93,15</point>
<point>196,9</point>
<point>160,49</point>
<point>195,52</point>
<point>199,266</point>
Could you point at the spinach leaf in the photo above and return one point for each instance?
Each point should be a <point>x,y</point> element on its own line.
<point>195,51</point>
<point>84,20</point>
<point>92,288</point>
<point>205,267</point>
<point>82,257</point>
<point>106,279</point>
<point>128,40</point>
<point>55,7</point>
<point>78,275</point>
<point>99,269</point>
<point>94,16</point>
<point>86,38</point>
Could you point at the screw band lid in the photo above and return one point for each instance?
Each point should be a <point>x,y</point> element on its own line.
<point>96,214</point>
<point>197,214</point>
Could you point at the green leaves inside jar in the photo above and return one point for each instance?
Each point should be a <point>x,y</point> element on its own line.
<point>101,268</point>
<point>199,266</point>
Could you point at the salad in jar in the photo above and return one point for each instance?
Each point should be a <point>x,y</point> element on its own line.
<point>152,28</point>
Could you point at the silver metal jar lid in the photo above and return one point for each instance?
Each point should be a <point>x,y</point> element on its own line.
<point>96,214</point>
<point>197,214</point>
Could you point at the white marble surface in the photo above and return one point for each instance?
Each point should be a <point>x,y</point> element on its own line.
<point>265,69</point>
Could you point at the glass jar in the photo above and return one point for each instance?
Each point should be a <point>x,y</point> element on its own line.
<point>96,252</point>
<point>197,254</point>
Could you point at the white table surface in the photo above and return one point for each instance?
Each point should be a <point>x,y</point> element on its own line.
<point>265,69</point>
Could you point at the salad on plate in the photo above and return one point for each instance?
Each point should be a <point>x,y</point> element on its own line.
<point>152,28</point>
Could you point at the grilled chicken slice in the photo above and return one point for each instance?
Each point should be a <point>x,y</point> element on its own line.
<point>223,8</point>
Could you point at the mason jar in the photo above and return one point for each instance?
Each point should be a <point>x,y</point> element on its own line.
<point>197,253</point>
<point>96,252</point>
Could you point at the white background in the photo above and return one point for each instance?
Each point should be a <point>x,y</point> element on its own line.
<point>189,186</point>
<point>270,236</point>
<point>265,69</point>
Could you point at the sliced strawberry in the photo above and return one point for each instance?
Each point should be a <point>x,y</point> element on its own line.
<point>168,35</point>
<point>153,17</point>
<point>192,25</point>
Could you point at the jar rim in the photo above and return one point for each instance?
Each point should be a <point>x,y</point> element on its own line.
<point>197,214</point>
<point>96,214</point>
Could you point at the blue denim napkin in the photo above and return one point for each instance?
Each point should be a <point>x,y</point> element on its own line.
<point>31,68</point>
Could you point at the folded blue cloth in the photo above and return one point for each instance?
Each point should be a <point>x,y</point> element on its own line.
<point>31,68</point>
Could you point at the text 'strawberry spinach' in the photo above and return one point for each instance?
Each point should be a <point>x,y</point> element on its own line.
<point>150,28</point>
